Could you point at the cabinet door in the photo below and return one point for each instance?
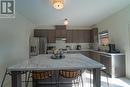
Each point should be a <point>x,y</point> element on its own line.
<point>94,35</point>
<point>40,33</point>
<point>60,33</point>
<point>94,55</point>
<point>51,36</point>
<point>106,60</point>
<point>63,33</point>
<point>86,36</point>
<point>81,36</point>
<point>69,36</point>
<point>91,36</point>
<point>91,55</point>
<point>97,57</point>
<point>95,30</point>
<point>75,36</point>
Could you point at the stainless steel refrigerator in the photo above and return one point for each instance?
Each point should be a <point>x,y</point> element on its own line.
<point>42,45</point>
<point>38,45</point>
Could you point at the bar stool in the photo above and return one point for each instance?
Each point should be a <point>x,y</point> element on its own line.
<point>72,74</point>
<point>8,73</point>
<point>41,75</point>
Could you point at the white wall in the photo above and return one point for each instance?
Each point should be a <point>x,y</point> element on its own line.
<point>14,41</point>
<point>117,25</point>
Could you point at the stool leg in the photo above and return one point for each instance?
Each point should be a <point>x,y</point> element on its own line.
<point>4,78</point>
<point>78,78</point>
<point>107,81</point>
<point>51,79</point>
<point>81,79</point>
<point>74,83</point>
<point>90,77</point>
<point>27,80</point>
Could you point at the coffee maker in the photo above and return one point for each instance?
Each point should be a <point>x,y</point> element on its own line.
<point>112,49</point>
<point>78,47</point>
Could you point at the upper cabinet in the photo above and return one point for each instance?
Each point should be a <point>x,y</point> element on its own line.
<point>60,31</point>
<point>78,36</point>
<point>75,36</point>
<point>94,35</point>
<point>86,35</point>
<point>40,33</point>
<point>72,36</point>
<point>51,36</point>
<point>69,36</point>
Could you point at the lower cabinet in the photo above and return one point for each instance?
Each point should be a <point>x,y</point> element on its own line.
<point>106,60</point>
<point>115,64</point>
<point>94,55</point>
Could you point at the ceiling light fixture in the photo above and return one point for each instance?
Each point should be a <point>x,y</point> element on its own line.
<point>66,21</point>
<point>58,4</point>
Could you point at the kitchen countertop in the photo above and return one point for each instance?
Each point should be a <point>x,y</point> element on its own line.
<point>44,62</point>
<point>66,51</point>
<point>102,52</point>
<point>79,50</point>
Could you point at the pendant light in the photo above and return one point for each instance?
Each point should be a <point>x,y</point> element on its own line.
<point>58,4</point>
<point>66,21</point>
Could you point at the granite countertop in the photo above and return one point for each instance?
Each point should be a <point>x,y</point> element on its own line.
<point>44,62</point>
<point>67,51</point>
<point>102,52</point>
<point>79,50</point>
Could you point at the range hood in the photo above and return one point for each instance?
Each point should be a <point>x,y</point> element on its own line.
<point>62,39</point>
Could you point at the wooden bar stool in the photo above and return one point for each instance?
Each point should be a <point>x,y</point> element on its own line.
<point>41,75</point>
<point>72,74</point>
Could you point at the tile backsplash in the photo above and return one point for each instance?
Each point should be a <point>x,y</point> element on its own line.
<point>94,46</point>
<point>62,45</point>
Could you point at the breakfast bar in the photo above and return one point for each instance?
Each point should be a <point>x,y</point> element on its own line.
<point>44,62</point>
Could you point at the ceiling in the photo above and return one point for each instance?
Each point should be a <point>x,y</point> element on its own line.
<point>78,12</point>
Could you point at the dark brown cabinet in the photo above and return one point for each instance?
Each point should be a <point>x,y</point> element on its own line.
<point>94,35</point>
<point>75,36</point>
<point>40,33</point>
<point>94,55</point>
<point>106,60</point>
<point>72,36</point>
<point>86,36</point>
<point>60,33</point>
<point>81,36</point>
<point>114,64</point>
<point>51,36</point>
<point>69,36</point>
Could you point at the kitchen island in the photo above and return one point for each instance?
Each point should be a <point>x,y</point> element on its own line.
<point>44,62</point>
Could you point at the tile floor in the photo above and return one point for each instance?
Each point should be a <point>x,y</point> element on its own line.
<point>113,82</point>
